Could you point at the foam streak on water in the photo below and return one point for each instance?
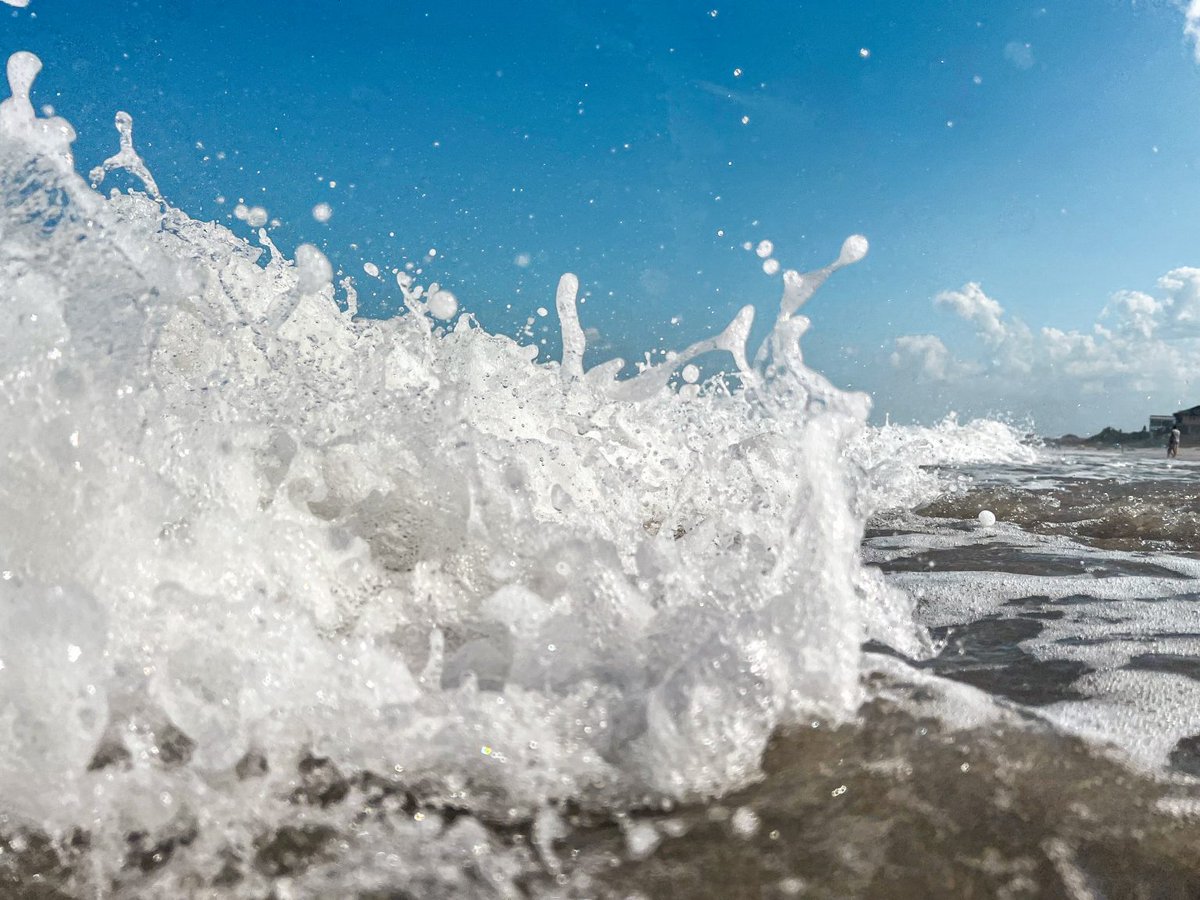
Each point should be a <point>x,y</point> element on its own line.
<point>257,552</point>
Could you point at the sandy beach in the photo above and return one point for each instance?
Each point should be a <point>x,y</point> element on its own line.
<point>1187,452</point>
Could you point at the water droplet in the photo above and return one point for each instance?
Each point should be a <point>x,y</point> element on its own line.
<point>442,305</point>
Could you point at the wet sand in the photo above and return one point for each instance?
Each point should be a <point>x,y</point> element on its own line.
<point>1188,452</point>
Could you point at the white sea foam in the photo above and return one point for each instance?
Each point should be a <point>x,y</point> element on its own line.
<point>231,510</point>
<point>899,459</point>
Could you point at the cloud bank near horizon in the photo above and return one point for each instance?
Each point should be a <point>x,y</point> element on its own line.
<point>1141,357</point>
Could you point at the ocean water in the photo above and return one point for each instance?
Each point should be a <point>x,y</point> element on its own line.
<point>297,604</point>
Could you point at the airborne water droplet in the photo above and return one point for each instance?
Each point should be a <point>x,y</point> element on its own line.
<point>442,304</point>
<point>127,158</point>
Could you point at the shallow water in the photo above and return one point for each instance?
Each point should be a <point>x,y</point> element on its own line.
<point>1113,500</point>
<point>899,803</point>
<point>1101,641</point>
<point>1001,811</point>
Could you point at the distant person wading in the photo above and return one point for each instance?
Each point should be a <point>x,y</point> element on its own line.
<point>1173,443</point>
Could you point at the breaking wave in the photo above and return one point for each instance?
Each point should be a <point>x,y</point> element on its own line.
<point>258,553</point>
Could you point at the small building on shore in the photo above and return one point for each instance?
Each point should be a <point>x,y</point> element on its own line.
<point>1161,424</point>
<point>1186,420</point>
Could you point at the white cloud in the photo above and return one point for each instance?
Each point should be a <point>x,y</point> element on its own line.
<point>1141,357</point>
<point>922,354</point>
<point>1191,26</point>
<point>1008,339</point>
<point>1182,287</point>
<point>1136,313</point>
<point>972,304</point>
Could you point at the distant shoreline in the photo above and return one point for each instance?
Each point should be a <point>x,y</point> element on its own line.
<point>1142,443</point>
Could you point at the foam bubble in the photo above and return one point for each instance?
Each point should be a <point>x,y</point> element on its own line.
<point>442,304</point>
<point>745,822</point>
<point>854,248</point>
<point>313,268</point>
<point>642,839</point>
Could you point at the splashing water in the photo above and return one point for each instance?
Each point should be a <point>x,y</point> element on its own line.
<point>251,544</point>
<point>50,137</point>
<point>127,158</point>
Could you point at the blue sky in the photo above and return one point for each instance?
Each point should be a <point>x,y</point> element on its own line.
<point>1046,151</point>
